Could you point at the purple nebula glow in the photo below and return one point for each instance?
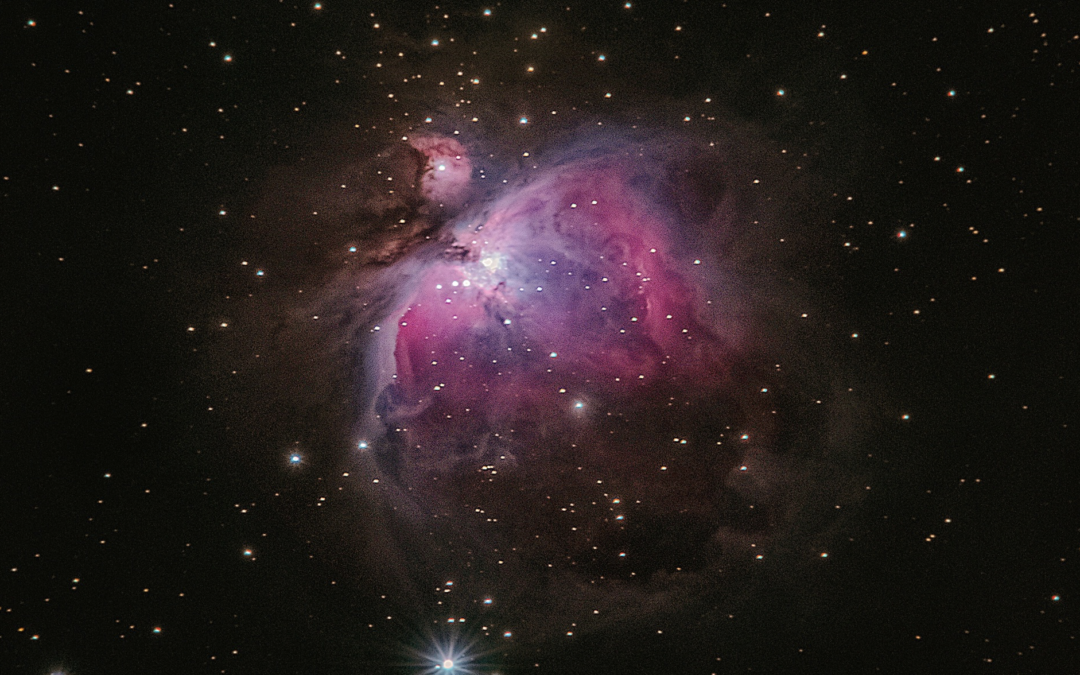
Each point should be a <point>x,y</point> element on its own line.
<point>586,382</point>
<point>561,363</point>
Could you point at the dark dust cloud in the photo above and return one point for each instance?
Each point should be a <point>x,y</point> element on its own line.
<point>549,374</point>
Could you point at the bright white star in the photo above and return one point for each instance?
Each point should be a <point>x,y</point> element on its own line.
<point>453,653</point>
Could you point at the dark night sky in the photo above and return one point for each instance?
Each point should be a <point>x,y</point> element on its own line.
<point>188,185</point>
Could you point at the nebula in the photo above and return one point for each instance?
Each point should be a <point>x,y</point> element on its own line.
<point>561,391</point>
<point>558,349</point>
<point>447,170</point>
<point>578,380</point>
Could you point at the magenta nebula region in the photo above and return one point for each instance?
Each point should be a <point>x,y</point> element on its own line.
<point>544,337</point>
<point>559,368</point>
<point>584,383</point>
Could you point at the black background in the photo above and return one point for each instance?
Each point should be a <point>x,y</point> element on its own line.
<point>115,162</point>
